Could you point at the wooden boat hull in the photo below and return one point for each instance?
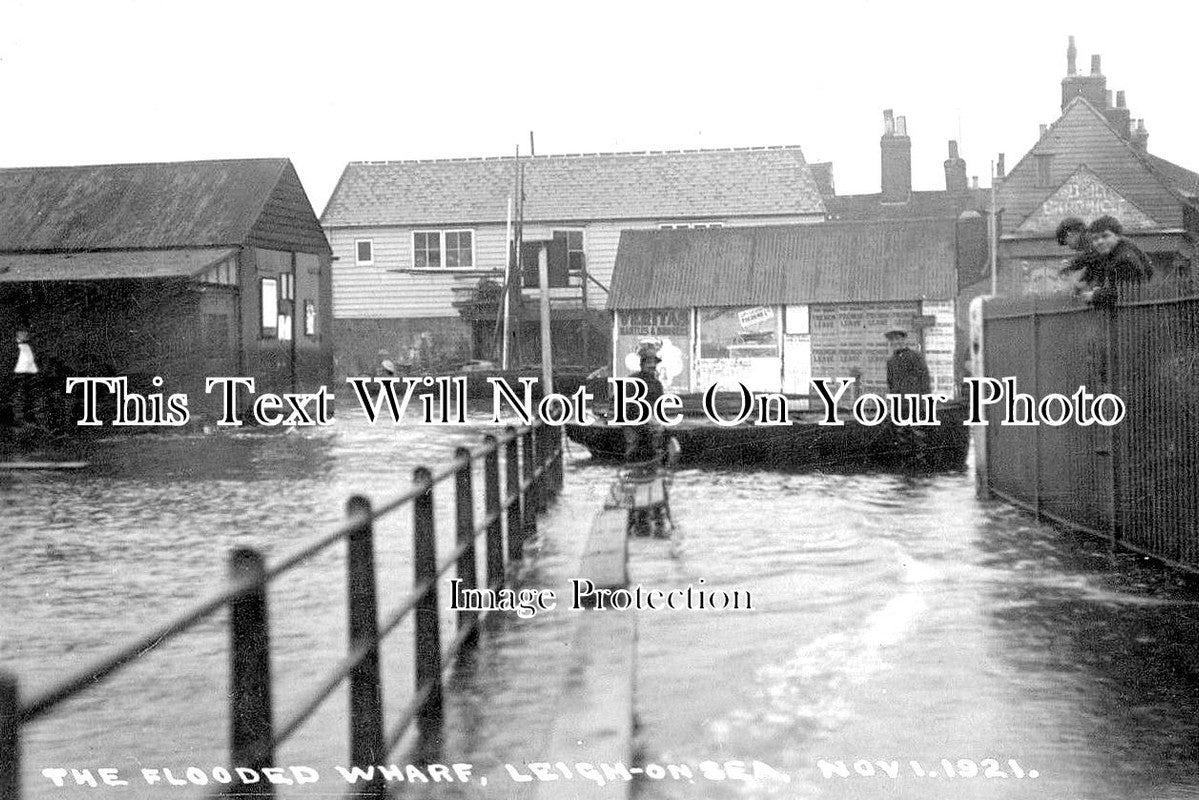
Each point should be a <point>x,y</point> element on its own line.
<point>802,445</point>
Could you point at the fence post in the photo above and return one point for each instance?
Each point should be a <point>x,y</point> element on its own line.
<point>516,537</point>
<point>366,705</point>
<point>495,528</point>
<point>559,437</point>
<point>1114,442</point>
<point>468,573</point>
<point>1038,443</point>
<point>530,502</point>
<point>427,644</point>
<point>250,716</point>
<point>10,737</point>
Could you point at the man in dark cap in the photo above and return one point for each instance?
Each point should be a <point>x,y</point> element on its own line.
<point>907,371</point>
<point>641,442</point>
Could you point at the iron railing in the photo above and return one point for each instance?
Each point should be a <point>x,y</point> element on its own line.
<point>1135,483</point>
<point>533,477</point>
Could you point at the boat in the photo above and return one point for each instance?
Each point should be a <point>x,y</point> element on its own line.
<point>803,445</point>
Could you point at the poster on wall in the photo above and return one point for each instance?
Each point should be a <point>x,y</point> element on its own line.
<point>667,330</point>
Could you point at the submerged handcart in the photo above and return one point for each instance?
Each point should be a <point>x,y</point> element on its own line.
<point>643,487</point>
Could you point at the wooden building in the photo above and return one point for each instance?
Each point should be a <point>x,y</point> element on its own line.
<point>1093,161</point>
<point>420,246</point>
<point>772,307</point>
<point>178,270</point>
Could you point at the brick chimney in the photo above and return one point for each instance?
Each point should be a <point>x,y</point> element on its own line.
<point>1092,88</point>
<point>999,167</point>
<point>1140,137</point>
<point>955,170</point>
<point>1119,116</point>
<point>897,159</point>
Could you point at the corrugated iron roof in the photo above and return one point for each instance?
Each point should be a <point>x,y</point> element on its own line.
<point>780,265</point>
<point>127,206</point>
<point>109,264</point>
<point>680,184</point>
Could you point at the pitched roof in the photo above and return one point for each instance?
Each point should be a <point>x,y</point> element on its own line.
<point>1182,179</point>
<point>134,206</point>
<point>1083,135</point>
<point>678,184</point>
<point>109,264</point>
<point>920,205</point>
<point>785,264</point>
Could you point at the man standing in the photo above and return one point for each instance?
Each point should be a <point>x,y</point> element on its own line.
<point>25,396</point>
<point>907,372</point>
<point>642,442</point>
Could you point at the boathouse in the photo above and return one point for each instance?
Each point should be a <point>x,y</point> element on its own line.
<point>1093,161</point>
<point>772,307</point>
<point>178,270</point>
<point>421,247</point>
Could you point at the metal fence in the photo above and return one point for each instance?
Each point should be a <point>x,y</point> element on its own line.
<point>1135,483</point>
<point>533,475</point>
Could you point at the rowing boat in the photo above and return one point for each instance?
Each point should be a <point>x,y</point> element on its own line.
<point>802,445</point>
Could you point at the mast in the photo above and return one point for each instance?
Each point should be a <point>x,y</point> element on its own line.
<point>507,283</point>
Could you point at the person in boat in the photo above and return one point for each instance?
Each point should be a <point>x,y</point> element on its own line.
<point>642,443</point>
<point>1119,263</point>
<point>907,371</point>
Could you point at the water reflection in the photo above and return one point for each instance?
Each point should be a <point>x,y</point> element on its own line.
<point>895,618</point>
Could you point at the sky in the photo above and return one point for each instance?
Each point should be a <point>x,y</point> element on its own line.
<point>113,81</point>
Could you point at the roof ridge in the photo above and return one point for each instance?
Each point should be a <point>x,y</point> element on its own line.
<point>149,163</point>
<point>604,154</point>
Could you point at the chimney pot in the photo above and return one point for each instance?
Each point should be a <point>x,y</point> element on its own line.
<point>973,181</point>
<point>953,149</point>
<point>1044,130</point>
<point>896,159</point>
<point>1095,66</point>
<point>1108,103</point>
<point>1071,56</point>
<point>1120,99</point>
<point>999,171</point>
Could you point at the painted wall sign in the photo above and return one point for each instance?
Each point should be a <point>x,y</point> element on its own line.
<point>1084,195</point>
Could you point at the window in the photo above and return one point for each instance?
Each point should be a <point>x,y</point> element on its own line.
<point>738,332</point>
<point>309,318</point>
<point>364,252</point>
<point>270,307</point>
<point>287,303</point>
<point>576,260</point>
<point>678,226</point>
<point>1044,169</point>
<point>223,274</point>
<point>437,249</point>
<point>278,302</point>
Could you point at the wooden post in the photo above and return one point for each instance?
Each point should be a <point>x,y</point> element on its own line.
<point>529,503</point>
<point>559,437</point>
<point>516,539</point>
<point>467,570</point>
<point>10,737</point>
<point>495,529</point>
<point>250,716</point>
<point>1114,442</point>
<point>366,705</point>
<point>427,655</point>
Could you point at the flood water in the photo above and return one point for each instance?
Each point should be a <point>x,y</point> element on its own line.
<point>897,621</point>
